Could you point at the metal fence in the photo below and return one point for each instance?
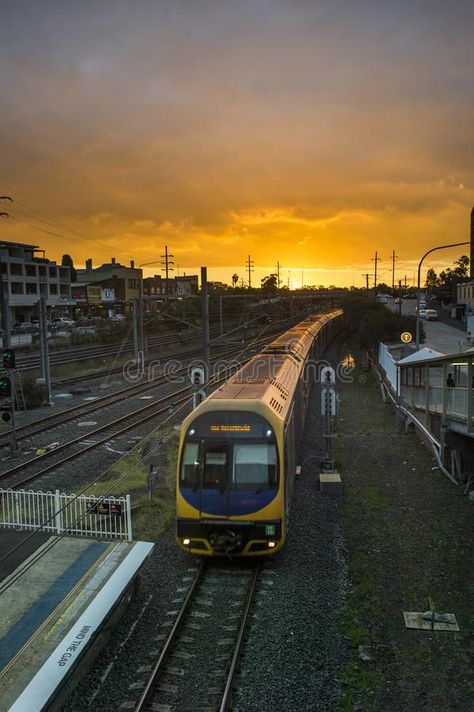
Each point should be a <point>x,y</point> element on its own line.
<point>389,365</point>
<point>60,513</point>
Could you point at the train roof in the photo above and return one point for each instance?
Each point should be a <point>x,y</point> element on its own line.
<point>271,377</point>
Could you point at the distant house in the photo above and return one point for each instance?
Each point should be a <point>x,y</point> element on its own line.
<point>465,295</point>
<point>111,284</point>
<point>183,286</point>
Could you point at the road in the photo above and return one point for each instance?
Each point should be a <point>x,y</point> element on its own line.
<point>439,336</point>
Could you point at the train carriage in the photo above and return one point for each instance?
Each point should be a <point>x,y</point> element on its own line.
<point>238,449</point>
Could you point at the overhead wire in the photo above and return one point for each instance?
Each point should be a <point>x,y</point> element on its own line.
<point>42,552</point>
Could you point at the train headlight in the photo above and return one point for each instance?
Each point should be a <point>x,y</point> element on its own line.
<point>192,431</point>
<point>271,544</point>
<point>186,542</point>
<point>268,433</point>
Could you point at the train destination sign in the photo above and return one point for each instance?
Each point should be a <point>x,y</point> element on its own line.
<point>241,428</point>
<point>229,424</point>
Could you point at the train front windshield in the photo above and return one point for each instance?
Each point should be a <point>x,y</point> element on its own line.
<point>230,451</point>
<point>239,465</point>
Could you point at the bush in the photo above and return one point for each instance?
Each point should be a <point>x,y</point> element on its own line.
<point>369,322</point>
<point>34,393</point>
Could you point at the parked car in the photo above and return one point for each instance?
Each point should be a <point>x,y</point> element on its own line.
<point>397,300</point>
<point>118,317</point>
<point>431,314</point>
<point>62,321</point>
<point>422,313</point>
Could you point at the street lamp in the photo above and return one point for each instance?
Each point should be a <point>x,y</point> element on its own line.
<point>433,249</point>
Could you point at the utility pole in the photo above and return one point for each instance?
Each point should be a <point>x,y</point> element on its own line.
<point>375,260</point>
<point>400,297</point>
<point>167,262</point>
<point>4,294</point>
<point>249,266</point>
<point>278,275</point>
<point>44,348</point>
<point>136,330</point>
<point>366,275</point>
<point>302,277</point>
<point>394,257</point>
<point>205,321</point>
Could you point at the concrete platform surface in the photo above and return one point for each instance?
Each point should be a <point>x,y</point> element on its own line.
<point>52,606</point>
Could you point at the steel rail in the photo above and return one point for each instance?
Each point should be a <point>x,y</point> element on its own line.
<point>227,696</point>
<point>38,426</point>
<point>147,692</point>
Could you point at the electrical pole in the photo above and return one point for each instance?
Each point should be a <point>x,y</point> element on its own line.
<point>400,297</point>
<point>4,294</point>
<point>366,275</point>
<point>167,262</point>
<point>278,275</point>
<point>249,266</point>
<point>394,257</point>
<point>375,260</point>
<point>205,321</point>
<point>44,348</point>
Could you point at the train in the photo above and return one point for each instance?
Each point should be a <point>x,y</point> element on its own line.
<point>238,450</point>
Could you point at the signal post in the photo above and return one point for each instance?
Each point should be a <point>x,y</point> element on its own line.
<point>7,392</point>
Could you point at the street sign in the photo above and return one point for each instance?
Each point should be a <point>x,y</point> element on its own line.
<point>406,337</point>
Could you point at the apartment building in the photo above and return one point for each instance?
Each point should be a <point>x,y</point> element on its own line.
<point>26,276</point>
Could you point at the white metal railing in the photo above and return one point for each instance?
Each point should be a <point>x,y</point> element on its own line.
<point>389,365</point>
<point>57,512</point>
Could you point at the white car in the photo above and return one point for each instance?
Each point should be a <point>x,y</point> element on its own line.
<point>422,313</point>
<point>62,321</point>
<point>431,314</point>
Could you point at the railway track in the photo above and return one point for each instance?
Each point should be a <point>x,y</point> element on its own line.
<point>48,422</point>
<point>27,471</point>
<point>200,646</point>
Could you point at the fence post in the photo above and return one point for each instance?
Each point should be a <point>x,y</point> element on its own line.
<point>57,511</point>
<point>129,518</point>
<point>17,508</point>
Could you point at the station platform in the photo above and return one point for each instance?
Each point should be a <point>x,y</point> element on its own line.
<point>56,595</point>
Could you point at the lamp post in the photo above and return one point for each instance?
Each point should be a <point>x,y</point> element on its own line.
<point>433,249</point>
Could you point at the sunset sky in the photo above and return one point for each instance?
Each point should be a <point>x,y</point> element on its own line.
<point>312,132</point>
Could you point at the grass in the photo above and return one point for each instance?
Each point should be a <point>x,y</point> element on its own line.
<point>151,513</point>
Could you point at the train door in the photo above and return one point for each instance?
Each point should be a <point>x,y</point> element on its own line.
<point>214,490</point>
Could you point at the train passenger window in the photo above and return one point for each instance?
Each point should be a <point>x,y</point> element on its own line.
<point>255,466</point>
<point>190,465</point>
<point>215,467</point>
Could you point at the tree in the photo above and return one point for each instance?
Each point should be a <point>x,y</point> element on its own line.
<point>432,280</point>
<point>67,261</point>
<point>235,279</point>
<point>270,283</point>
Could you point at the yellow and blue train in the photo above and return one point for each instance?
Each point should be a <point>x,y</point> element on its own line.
<point>238,450</point>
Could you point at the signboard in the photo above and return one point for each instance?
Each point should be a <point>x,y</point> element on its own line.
<point>108,509</point>
<point>406,337</point>
<point>93,294</point>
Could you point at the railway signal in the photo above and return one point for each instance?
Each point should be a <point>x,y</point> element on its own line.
<point>8,358</point>
<point>6,413</point>
<point>5,387</point>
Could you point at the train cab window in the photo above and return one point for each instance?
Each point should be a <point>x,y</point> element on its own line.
<point>215,467</point>
<point>255,466</point>
<point>190,465</point>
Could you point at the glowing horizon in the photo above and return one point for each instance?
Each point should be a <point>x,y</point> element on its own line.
<point>313,134</point>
